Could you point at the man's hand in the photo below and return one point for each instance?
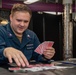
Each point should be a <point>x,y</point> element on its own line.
<point>16,55</point>
<point>49,52</point>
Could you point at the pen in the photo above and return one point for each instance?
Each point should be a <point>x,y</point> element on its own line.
<point>68,62</point>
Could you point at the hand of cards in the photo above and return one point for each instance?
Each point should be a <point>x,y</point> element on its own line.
<point>42,47</point>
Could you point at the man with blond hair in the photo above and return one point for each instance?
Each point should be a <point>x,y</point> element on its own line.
<point>17,42</point>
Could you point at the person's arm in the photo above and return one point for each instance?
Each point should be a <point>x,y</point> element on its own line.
<point>47,55</point>
<point>3,59</point>
<point>8,54</point>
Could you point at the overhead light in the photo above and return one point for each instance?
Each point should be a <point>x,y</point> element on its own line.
<point>30,1</point>
<point>54,13</point>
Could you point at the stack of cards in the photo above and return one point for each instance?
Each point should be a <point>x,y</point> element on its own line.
<point>33,68</point>
<point>42,47</point>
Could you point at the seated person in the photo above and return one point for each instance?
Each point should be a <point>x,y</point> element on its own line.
<point>17,42</point>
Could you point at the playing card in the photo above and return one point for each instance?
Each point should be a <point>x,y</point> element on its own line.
<point>43,46</point>
<point>38,49</point>
<point>31,67</point>
<point>47,44</point>
<point>14,68</point>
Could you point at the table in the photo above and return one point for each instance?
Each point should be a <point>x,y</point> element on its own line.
<point>67,71</point>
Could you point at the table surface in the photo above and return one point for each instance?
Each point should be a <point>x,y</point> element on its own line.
<point>67,71</point>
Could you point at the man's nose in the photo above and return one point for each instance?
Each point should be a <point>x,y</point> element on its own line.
<point>22,23</point>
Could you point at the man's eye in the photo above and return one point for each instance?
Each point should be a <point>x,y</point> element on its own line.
<point>25,21</point>
<point>19,20</point>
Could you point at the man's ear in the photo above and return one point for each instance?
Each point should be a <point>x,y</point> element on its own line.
<point>10,17</point>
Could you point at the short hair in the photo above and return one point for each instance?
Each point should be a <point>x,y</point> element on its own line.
<point>20,7</point>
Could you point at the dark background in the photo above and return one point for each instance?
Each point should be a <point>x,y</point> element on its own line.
<point>48,27</point>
